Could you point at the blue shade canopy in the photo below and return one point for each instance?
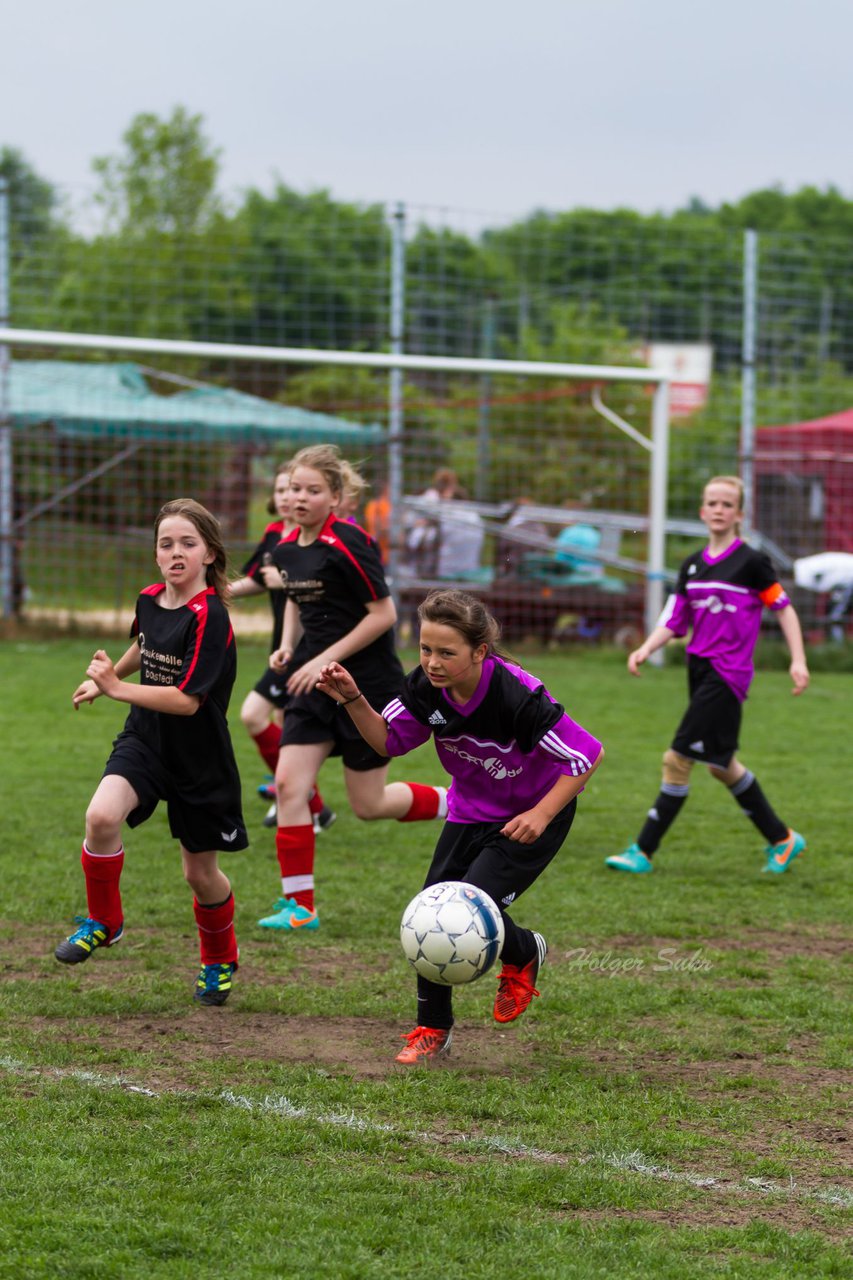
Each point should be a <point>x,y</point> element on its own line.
<point>115,400</point>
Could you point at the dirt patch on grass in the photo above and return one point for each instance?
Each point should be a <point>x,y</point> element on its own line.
<point>181,1049</point>
<point>830,942</point>
<point>733,1076</point>
<point>790,1215</point>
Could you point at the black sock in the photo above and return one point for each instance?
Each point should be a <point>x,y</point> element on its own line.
<point>661,816</point>
<point>435,1005</point>
<point>519,946</point>
<point>758,808</point>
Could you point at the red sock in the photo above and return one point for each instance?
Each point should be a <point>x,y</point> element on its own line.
<point>102,891</point>
<point>427,802</point>
<point>295,849</point>
<point>268,742</point>
<point>218,942</point>
<point>315,802</point>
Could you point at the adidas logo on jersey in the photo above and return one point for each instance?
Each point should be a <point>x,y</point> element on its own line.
<point>437,718</point>
<point>698,746</point>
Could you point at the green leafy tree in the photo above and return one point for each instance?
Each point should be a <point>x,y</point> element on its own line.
<point>33,203</point>
<point>164,179</point>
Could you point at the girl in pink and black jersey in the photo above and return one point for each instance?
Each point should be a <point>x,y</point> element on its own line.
<point>263,707</point>
<point>720,595</point>
<point>518,763</point>
<point>175,745</point>
<point>338,609</point>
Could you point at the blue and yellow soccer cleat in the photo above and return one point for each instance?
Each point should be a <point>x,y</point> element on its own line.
<point>633,859</point>
<point>91,935</point>
<point>781,855</point>
<point>213,984</point>
<point>288,914</point>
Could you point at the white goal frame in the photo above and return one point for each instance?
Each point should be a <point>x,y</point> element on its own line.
<point>396,362</point>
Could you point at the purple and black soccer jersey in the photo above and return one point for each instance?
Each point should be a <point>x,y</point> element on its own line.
<point>505,748</point>
<point>721,598</point>
<point>262,555</point>
<point>332,580</point>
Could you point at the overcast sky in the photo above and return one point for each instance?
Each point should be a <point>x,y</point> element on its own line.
<point>461,104</point>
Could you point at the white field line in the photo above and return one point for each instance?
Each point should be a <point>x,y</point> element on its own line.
<point>280,1106</point>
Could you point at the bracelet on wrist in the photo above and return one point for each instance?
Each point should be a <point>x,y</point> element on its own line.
<point>346,701</point>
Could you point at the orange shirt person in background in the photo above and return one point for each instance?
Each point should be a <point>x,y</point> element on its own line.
<point>377,521</point>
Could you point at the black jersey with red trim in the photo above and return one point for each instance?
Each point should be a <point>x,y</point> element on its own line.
<point>332,580</point>
<point>192,648</point>
<point>261,556</point>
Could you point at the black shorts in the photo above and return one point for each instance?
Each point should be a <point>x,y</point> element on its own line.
<point>273,686</point>
<point>710,726</point>
<point>477,853</point>
<point>315,717</point>
<point>202,823</point>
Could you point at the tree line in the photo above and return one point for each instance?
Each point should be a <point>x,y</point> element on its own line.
<point>164,252</point>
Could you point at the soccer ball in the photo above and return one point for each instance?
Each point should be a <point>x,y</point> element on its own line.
<point>451,933</point>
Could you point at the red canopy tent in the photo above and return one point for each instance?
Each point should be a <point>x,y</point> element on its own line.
<point>804,484</point>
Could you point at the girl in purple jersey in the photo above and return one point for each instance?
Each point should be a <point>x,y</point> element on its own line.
<point>338,608</point>
<point>175,745</point>
<point>720,595</point>
<point>518,763</point>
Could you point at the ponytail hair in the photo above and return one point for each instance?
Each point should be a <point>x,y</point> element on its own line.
<point>208,529</point>
<point>354,484</point>
<point>464,613</point>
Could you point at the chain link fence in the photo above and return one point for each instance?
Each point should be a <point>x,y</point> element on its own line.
<point>549,516</point>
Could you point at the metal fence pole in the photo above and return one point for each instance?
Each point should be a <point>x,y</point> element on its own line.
<point>747,402</point>
<point>484,444</point>
<point>657,511</point>
<point>395,392</point>
<point>7,531</point>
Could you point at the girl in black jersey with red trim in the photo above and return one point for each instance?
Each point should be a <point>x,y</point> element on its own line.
<point>338,609</point>
<point>262,709</point>
<point>175,745</point>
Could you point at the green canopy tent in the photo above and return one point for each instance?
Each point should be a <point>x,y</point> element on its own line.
<point>117,400</point>
<point>97,448</point>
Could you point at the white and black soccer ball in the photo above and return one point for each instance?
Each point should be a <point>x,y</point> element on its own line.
<point>452,932</point>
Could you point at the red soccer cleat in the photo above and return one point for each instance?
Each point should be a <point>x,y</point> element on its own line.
<point>516,985</point>
<point>424,1044</point>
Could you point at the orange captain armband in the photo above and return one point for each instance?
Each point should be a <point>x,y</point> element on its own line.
<point>772,594</point>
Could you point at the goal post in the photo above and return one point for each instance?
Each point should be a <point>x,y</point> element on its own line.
<point>655,444</point>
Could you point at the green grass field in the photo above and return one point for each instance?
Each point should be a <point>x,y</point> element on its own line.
<point>671,1106</point>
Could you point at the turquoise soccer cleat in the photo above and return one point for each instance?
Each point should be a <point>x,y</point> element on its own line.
<point>288,914</point>
<point>633,859</point>
<point>781,855</point>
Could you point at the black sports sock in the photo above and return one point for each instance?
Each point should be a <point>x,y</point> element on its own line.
<point>758,808</point>
<point>661,816</point>
<point>519,946</point>
<point>435,1005</point>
